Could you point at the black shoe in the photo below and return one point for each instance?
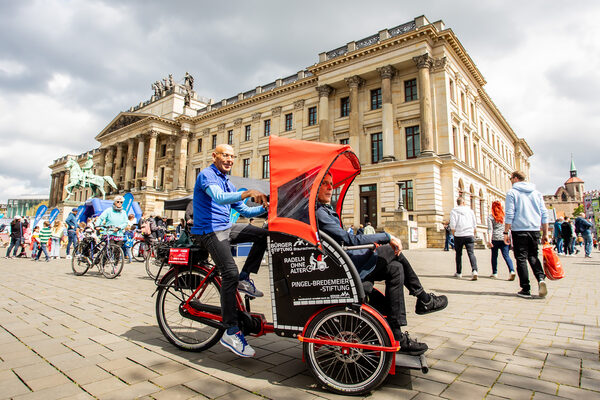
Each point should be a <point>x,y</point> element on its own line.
<point>524,294</point>
<point>436,303</point>
<point>410,346</point>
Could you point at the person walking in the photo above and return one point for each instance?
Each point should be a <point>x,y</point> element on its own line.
<point>71,223</point>
<point>369,230</point>
<point>525,212</point>
<point>496,241</point>
<point>45,235</point>
<point>584,227</point>
<point>16,236</point>
<point>464,227</point>
<point>558,235</point>
<point>566,231</point>
<point>449,240</point>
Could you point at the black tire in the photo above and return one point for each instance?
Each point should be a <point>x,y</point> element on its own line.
<point>357,372</point>
<point>112,261</point>
<point>154,266</point>
<point>79,262</point>
<point>138,250</point>
<point>183,332</point>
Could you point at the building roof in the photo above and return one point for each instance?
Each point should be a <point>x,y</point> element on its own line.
<point>574,179</point>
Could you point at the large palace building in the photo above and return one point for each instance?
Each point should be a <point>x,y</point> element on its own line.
<point>409,100</point>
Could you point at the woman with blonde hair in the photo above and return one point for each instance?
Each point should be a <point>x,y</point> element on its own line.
<point>57,234</point>
<point>495,235</point>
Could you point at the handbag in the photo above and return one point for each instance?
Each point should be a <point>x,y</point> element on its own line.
<point>552,266</point>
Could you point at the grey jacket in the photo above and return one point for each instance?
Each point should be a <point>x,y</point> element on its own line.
<point>495,229</point>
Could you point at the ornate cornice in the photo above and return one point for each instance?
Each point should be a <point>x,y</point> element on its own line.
<point>298,104</point>
<point>256,116</point>
<point>423,61</point>
<point>221,127</point>
<point>276,111</point>
<point>354,81</point>
<point>237,122</point>
<point>439,63</point>
<point>386,72</point>
<point>324,90</point>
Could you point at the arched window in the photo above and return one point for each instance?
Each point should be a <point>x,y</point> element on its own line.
<point>472,197</point>
<point>563,197</point>
<point>461,188</point>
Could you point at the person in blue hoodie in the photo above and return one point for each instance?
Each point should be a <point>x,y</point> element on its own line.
<point>525,212</point>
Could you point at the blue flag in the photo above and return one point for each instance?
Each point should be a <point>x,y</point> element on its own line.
<point>53,215</point>
<point>39,214</point>
<point>127,202</point>
<point>80,211</point>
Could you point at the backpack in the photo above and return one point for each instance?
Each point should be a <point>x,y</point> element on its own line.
<point>146,228</point>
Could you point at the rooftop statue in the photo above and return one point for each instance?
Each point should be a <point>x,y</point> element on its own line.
<point>83,177</point>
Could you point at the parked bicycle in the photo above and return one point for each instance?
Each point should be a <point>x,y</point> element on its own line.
<point>106,254</point>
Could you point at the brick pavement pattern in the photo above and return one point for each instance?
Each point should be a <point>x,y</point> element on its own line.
<point>63,336</point>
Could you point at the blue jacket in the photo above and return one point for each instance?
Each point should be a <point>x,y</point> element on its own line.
<point>582,225</point>
<point>525,208</point>
<point>71,221</point>
<point>364,260</point>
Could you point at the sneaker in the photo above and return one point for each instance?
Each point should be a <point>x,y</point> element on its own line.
<point>542,289</point>
<point>524,294</point>
<point>436,303</point>
<point>247,287</point>
<point>512,276</point>
<point>474,276</point>
<point>410,346</point>
<point>68,257</point>
<point>494,276</point>
<point>457,275</point>
<point>236,342</point>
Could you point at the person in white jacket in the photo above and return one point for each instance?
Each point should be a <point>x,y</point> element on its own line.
<point>464,228</point>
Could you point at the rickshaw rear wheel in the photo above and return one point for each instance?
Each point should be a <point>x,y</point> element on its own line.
<point>174,290</point>
<point>347,370</point>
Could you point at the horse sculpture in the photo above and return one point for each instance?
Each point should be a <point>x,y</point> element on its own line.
<point>79,179</point>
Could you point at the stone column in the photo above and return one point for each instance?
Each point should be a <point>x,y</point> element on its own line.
<point>324,92</point>
<point>151,159</point>
<point>65,183</point>
<point>424,63</point>
<point>354,83</point>
<point>387,114</point>
<point>129,164</point>
<point>275,117</point>
<point>52,189</point>
<point>298,118</point>
<point>183,144</point>
<point>117,166</point>
<point>108,161</point>
<point>139,164</point>
<point>170,165</point>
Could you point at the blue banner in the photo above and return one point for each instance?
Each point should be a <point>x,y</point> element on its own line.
<point>127,202</point>
<point>80,211</point>
<point>39,214</point>
<point>53,215</point>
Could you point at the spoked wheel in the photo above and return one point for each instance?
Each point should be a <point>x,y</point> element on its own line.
<point>79,262</point>
<point>174,291</point>
<point>347,370</point>
<point>112,264</point>
<point>138,251</point>
<point>154,265</point>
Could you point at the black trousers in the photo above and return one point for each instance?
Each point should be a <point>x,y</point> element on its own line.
<point>525,248</point>
<point>567,245</point>
<point>218,244</point>
<point>468,242</point>
<point>397,272</point>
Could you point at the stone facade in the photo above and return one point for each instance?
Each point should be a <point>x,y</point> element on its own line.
<point>409,100</point>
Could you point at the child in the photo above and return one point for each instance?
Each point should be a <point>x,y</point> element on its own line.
<point>35,241</point>
<point>45,235</point>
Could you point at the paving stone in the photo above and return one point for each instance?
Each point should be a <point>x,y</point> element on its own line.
<point>479,376</point>
<point>462,390</point>
<point>529,383</point>
<point>131,392</point>
<point>577,393</point>
<point>51,393</point>
<point>89,374</point>
<point>104,386</point>
<point>177,378</point>
<point>210,387</point>
<point>175,393</point>
<point>561,375</point>
<point>510,392</point>
<point>134,374</point>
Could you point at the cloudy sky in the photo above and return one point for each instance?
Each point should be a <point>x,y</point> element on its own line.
<point>67,68</point>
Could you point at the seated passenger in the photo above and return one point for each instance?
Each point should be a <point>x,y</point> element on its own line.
<point>386,263</point>
<point>214,196</point>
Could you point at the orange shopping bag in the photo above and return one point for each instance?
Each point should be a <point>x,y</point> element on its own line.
<point>552,266</point>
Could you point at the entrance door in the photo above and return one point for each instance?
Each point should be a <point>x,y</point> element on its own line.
<point>368,205</point>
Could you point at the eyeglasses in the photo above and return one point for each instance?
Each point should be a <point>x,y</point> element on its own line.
<point>227,156</point>
<point>120,202</point>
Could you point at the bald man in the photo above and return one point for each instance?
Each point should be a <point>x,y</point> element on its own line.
<point>214,196</point>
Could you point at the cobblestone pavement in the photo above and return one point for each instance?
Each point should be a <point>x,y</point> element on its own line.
<point>63,336</point>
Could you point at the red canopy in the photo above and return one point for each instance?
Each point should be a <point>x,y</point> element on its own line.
<point>297,168</point>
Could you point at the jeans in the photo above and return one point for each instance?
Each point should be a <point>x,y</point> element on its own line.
<point>15,244</point>
<point>55,247</point>
<point>43,247</point>
<point>504,248</point>
<point>559,245</point>
<point>72,234</point>
<point>218,244</point>
<point>35,249</point>
<point>449,242</point>
<point>469,243</point>
<point>567,245</point>
<point>588,241</point>
<point>127,251</point>
<point>525,248</point>
<point>396,271</point>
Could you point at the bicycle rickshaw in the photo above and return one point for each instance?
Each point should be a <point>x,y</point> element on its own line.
<point>317,296</point>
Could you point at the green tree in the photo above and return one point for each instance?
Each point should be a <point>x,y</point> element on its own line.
<point>578,210</point>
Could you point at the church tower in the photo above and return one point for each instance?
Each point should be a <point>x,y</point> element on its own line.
<point>574,185</point>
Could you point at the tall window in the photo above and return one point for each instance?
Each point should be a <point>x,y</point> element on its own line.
<point>344,106</point>
<point>375,99</point>
<point>312,116</point>
<point>345,141</point>
<point>163,150</point>
<point>214,142</point>
<point>475,163</point>
<point>376,147</point>
<point>199,145</point>
<point>265,167</point>
<point>230,136</point>
<point>406,192</point>
<point>466,150</point>
<point>452,90</point>
<point>247,135</point>
<point>198,170</point>
<point>267,127</point>
<point>455,140</point>
<point>462,102</point>
<point>413,141</point>
<point>472,112</point>
<point>288,122</point>
<point>410,90</point>
<point>246,167</point>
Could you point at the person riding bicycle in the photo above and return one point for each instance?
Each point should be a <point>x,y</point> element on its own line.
<point>386,263</point>
<point>214,196</point>
<point>114,217</point>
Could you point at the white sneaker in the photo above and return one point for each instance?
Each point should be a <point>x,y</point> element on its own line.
<point>247,287</point>
<point>457,275</point>
<point>68,257</point>
<point>494,276</point>
<point>474,276</point>
<point>512,275</point>
<point>236,342</point>
<point>542,289</point>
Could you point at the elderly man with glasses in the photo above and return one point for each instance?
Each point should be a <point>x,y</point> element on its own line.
<point>214,196</point>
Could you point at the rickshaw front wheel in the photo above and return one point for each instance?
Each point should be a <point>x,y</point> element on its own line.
<point>347,370</point>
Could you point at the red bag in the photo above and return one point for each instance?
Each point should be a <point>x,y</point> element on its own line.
<point>552,266</point>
